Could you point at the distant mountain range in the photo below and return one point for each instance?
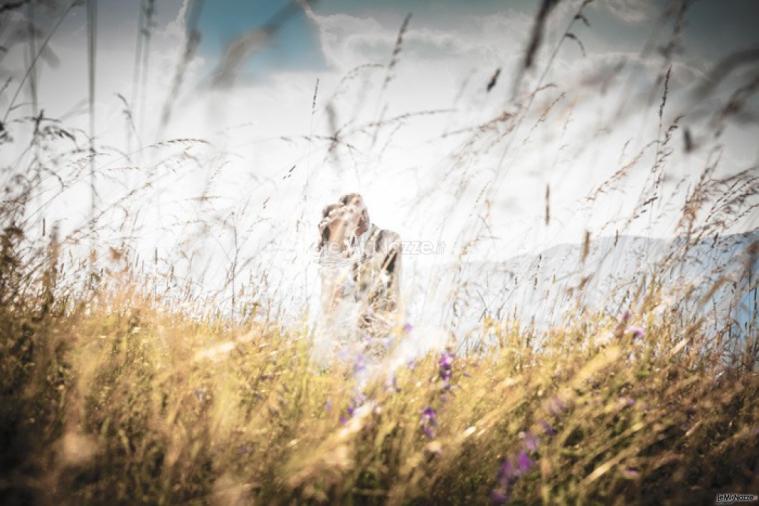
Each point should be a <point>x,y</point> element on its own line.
<point>547,288</point>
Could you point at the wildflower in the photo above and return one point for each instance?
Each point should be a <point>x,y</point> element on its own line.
<point>508,474</point>
<point>445,366</point>
<point>349,411</point>
<point>637,332</point>
<point>622,324</point>
<point>357,401</point>
<point>547,428</point>
<point>360,364</point>
<point>407,327</point>
<point>524,463</point>
<point>428,421</point>
<point>506,477</point>
<point>506,471</point>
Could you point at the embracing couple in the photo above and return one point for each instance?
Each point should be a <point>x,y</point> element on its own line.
<point>359,266</point>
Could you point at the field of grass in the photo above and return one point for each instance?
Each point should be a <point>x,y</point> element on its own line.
<point>110,396</point>
<point>122,383</point>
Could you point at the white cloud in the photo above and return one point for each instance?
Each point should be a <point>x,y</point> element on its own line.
<point>631,11</point>
<point>417,176</point>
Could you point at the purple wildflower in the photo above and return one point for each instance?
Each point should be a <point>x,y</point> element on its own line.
<point>620,330</point>
<point>513,468</point>
<point>428,421</point>
<point>506,472</point>
<point>348,414</point>
<point>506,477</point>
<point>524,463</point>
<point>407,327</point>
<point>637,332</point>
<point>355,403</point>
<point>360,364</point>
<point>547,428</point>
<point>445,366</point>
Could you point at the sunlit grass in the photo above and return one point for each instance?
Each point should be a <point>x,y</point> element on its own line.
<point>117,398</point>
<point>122,383</point>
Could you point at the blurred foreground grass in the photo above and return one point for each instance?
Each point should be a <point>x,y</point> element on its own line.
<point>113,397</point>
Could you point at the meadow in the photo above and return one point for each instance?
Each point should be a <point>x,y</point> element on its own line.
<point>128,379</point>
<point>111,397</point>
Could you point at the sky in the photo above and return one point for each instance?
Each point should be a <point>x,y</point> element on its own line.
<point>418,132</point>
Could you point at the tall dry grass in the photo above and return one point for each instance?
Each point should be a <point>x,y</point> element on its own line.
<point>122,383</point>
<point>112,397</point>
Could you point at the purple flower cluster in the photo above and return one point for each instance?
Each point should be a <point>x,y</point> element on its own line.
<point>547,428</point>
<point>358,400</point>
<point>360,364</point>
<point>622,324</point>
<point>445,367</point>
<point>428,422</point>
<point>508,474</point>
<point>636,331</point>
<point>512,468</point>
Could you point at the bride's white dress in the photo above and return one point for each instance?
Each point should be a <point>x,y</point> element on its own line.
<point>336,332</point>
<point>358,300</point>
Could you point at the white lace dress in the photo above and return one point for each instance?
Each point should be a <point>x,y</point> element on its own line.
<point>336,333</point>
